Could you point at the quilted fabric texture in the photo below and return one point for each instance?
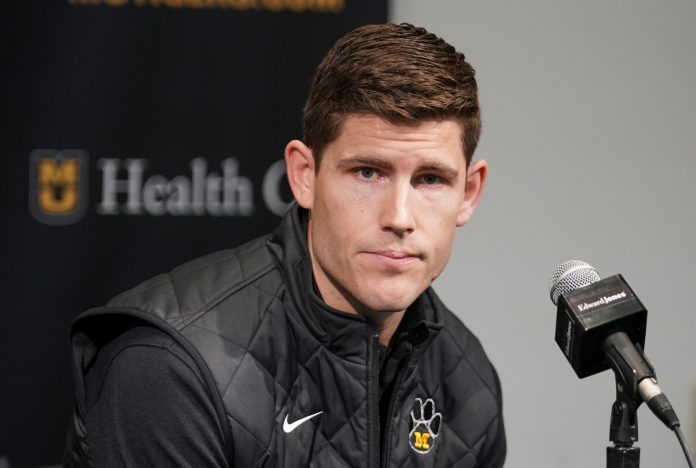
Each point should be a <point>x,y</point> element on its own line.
<point>274,352</point>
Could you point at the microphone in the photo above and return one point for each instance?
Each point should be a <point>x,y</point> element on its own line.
<point>600,323</point>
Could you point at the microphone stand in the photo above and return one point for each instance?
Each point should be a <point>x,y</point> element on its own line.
<point>630,366</point>
<point>623,429</point>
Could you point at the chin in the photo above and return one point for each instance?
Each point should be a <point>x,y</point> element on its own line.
<point>391,303</point>
<point>391,294</point>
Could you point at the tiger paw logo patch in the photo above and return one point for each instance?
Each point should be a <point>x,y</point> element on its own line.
<point>425,425</point>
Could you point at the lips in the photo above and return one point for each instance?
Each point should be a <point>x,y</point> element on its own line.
<point>395,254</point>
<point>393,259</point>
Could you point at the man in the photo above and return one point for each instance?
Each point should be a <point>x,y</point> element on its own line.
<point>322,344</point>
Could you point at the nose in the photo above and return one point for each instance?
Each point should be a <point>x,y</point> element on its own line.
<point>398,212</point>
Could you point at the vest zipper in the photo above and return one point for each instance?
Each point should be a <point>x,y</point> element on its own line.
<point>392,402</point>
<point>374,398</point>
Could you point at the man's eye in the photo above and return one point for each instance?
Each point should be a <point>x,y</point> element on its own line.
<point>430,179</point>
<point>367,172</point>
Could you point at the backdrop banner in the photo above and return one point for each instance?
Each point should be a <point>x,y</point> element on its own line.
<point>137,134</point>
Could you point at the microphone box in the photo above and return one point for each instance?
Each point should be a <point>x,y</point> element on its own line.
<point>587,315</point>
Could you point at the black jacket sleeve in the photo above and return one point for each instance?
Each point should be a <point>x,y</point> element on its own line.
<point>147,406</point>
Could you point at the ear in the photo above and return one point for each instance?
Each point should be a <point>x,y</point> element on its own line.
<point>299,163</point>
<point>475,180</point>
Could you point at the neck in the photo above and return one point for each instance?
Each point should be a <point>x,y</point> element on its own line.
<point>386,324</point>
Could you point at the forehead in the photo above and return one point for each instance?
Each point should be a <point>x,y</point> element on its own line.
<point>368,133</point>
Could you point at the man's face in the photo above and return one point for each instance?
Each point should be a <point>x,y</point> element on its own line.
<point>384,207</point>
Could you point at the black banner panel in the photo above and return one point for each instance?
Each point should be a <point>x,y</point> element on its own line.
<point>136,135</point>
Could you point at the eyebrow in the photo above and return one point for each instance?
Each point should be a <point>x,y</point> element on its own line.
<point>366,160</point>
<point>374,161</point>
<point>442,169</point>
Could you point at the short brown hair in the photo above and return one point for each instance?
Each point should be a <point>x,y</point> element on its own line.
<point>401,73</point>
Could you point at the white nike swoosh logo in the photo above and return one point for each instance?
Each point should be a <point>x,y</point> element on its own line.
<point>289,427</point>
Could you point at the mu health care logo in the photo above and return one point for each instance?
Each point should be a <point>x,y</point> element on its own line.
<point>58,188</point>
<point>58,185</point>
<point>425,425</point>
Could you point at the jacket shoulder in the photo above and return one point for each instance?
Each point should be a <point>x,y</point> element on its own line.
<point>194,287</point>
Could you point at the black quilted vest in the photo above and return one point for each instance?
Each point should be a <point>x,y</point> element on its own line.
<point>270,349</point>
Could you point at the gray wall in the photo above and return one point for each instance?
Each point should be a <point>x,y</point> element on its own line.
<point>590,132</point>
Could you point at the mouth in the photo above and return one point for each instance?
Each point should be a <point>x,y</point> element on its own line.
<point>393,259</point>
<point>395,254</point>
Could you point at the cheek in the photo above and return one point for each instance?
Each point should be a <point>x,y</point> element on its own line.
<point>441,239</point>
<point>334,227</point>
<point>346,209</point>
<point>442,206</point>
<point>443,245</point>
<point>439,217</point>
